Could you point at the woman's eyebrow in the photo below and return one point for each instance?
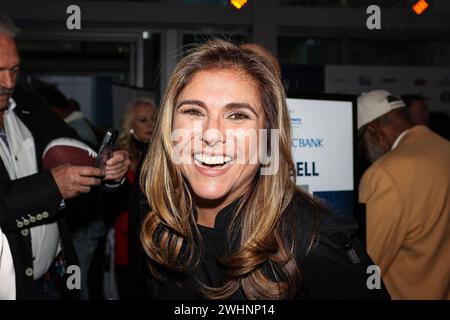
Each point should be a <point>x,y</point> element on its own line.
<point>228,106</point>
<point>240,105</point>
<point>194,102</point>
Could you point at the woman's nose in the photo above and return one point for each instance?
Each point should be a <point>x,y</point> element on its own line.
<point>213,133</point>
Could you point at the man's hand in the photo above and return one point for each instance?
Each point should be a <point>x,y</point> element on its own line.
<point>73,180</point>
<point>117,166</point>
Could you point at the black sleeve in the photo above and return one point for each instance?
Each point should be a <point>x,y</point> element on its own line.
<point>29,201</point>
<point>337,267</point>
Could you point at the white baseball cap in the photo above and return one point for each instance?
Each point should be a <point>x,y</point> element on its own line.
<point>374,104</point>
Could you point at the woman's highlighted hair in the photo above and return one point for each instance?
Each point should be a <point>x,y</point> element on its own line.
<point>261,259</point>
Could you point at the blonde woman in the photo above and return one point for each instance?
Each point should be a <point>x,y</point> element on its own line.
<point>225,222</point>
<point>137,128</point>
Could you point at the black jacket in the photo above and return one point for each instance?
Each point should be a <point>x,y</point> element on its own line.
<point>33,200</point>
<point>327,270</point>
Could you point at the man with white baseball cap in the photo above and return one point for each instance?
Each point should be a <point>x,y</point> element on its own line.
<point>407,195</point>
<point>383,120</point>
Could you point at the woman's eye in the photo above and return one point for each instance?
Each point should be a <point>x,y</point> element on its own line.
<point>239,116</point>
<point>192,112</point>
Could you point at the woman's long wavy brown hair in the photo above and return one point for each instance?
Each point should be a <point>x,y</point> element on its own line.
<point>169,233</point>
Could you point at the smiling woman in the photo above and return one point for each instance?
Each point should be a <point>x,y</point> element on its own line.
<point>224,104</point>
<point>218,227</point>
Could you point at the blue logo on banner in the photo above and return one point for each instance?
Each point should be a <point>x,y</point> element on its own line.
<point>307,143</point>
<point>296,122</point>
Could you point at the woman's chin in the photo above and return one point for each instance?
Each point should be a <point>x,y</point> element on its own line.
<point>210,194</point>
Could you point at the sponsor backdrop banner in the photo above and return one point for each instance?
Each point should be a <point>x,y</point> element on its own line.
<point>323,149</point>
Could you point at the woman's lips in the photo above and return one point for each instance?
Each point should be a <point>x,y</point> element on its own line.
<point>212,171</point>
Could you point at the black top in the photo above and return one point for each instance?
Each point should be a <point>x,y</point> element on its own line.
<point>328,270</point>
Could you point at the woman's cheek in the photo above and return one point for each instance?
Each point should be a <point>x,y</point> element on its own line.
<point>246,145</point>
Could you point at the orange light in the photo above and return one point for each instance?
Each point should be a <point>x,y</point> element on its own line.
<point>420,6</point>
<point>238,4</point>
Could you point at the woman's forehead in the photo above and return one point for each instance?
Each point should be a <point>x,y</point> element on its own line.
<point>221,85</point>
<point>144,108</point>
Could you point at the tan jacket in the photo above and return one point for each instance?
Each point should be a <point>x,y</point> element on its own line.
<point>407,193</point>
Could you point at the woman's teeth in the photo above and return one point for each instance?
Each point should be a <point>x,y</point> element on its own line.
<point>212,160</point>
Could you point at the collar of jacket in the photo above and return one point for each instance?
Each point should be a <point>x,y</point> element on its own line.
<point>224,217</point>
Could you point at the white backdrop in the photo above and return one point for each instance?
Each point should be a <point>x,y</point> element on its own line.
<point>322,133</point>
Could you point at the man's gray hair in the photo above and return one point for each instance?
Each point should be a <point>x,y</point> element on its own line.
<point>7,26</point>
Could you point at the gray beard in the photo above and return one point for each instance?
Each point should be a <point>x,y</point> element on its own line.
<point>374,153</point>
<point>4,91</point>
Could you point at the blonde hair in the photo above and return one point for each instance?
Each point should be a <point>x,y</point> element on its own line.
<point>125,139</point>
<point>169,234</point>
